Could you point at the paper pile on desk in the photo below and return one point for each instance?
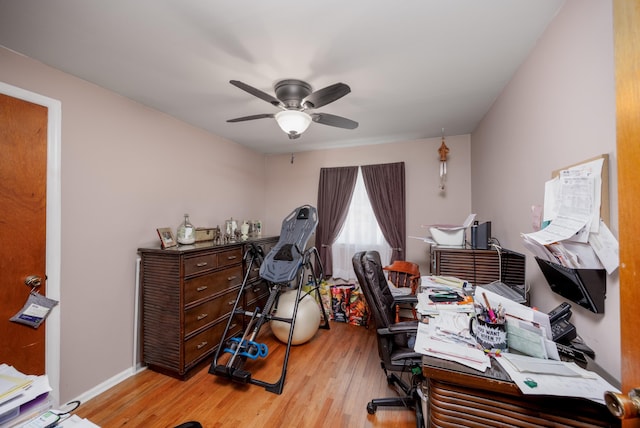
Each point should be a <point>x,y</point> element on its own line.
<point>447,337</point>
<point>528,330</point>
<point>434,285</point>
<point>536,376</point>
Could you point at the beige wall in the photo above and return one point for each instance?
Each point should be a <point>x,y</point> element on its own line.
<point>126,170</point>
<point>558,110</point>
<point>291,185</point>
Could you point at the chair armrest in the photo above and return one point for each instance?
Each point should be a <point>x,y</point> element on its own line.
<point>399,327</point>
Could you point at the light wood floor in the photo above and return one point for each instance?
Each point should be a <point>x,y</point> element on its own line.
<point>329,382</point>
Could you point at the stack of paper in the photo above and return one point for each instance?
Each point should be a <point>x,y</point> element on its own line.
<point>11,381</point>
<point>21,395</point>
<point>447,336</point>
<point>440,286</point>
<point>76,422</point>
<point>536,376</point>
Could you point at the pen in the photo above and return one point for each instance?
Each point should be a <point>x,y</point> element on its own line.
<point>492,315</point>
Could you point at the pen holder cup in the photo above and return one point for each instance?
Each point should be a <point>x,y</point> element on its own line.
<point>489,335</point>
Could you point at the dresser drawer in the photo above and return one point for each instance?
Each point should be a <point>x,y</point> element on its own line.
<point>255,271</point>
<point>202,343</point>
<point>205,342</point>
<point>256,291</point>
<point>197,264</point>
<point>206,286</point>
<point>230,257</point>
<point>208,312</point>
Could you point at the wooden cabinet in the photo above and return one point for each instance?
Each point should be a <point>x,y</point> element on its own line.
<point>187,296</point>
<point>479,266</point>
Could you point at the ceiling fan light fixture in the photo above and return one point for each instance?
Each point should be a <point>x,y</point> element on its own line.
<point>293,122</point>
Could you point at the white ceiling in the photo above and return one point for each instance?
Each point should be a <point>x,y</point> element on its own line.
<point>414,66</point>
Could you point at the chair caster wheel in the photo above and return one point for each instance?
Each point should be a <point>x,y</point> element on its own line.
<point>371,408</point>
<point>390,380</point>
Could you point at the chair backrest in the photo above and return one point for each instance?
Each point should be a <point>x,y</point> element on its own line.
<point>404,274</point>
<point>373,282</point>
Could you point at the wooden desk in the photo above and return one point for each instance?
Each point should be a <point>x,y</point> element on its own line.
<point>462,397</point>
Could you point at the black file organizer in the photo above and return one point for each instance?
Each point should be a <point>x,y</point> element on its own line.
<point>586,287</point>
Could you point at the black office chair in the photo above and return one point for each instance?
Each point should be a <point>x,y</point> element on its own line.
<point>396,353</point>
<point>190,424</point>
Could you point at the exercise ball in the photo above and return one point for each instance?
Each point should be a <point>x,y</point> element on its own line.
<point>307,318</point>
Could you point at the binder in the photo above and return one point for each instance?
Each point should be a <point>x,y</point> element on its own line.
<point>586,287</point>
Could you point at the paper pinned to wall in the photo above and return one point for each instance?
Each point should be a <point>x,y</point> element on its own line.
<point>606,247</point>
<point>576,235</point>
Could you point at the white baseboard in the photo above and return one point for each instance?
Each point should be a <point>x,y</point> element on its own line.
<point>109,383</point>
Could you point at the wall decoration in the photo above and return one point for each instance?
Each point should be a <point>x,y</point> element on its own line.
<point>166,237</point>
<point>443,151</point>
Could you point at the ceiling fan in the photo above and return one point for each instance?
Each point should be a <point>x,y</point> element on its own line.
<point>295,97</point>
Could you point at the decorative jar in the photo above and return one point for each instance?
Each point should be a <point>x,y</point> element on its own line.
<point>186,233</point>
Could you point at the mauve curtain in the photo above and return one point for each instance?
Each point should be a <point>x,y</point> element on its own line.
<point>334,196</point>
<point>386,190</point>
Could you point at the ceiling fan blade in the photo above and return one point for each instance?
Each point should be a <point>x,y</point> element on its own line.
<point>255,116</point>
<point>326,95</point>
<point>333,120</point>
<point>257,93</point>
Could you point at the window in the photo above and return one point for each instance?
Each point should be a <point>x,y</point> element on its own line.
<point>360,232</point>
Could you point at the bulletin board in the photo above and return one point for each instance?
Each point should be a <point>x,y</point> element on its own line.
<point>604,190</point>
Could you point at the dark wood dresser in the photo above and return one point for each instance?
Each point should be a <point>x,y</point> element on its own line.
<point>462,397</point>
<point>187,294</point>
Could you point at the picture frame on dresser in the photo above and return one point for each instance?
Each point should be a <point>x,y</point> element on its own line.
<point>167,239</point>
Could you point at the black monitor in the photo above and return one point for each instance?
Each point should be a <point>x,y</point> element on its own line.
<point>586,287</point>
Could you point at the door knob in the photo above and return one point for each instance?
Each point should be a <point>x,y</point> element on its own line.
<point>622,406</point>
<point>33,281</point>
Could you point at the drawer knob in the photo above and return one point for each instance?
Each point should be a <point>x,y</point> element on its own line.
<point>202,344</point>
<point>231,278</point>
<point>202,316</point>
<point>231,258</point>
<point>231,302</point>
<point>201,264</point>
<point>204,287</point>
<point>232,326</point>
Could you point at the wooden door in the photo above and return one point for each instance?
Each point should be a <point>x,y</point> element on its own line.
<point>23,175</point>
<point>627,63</point>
